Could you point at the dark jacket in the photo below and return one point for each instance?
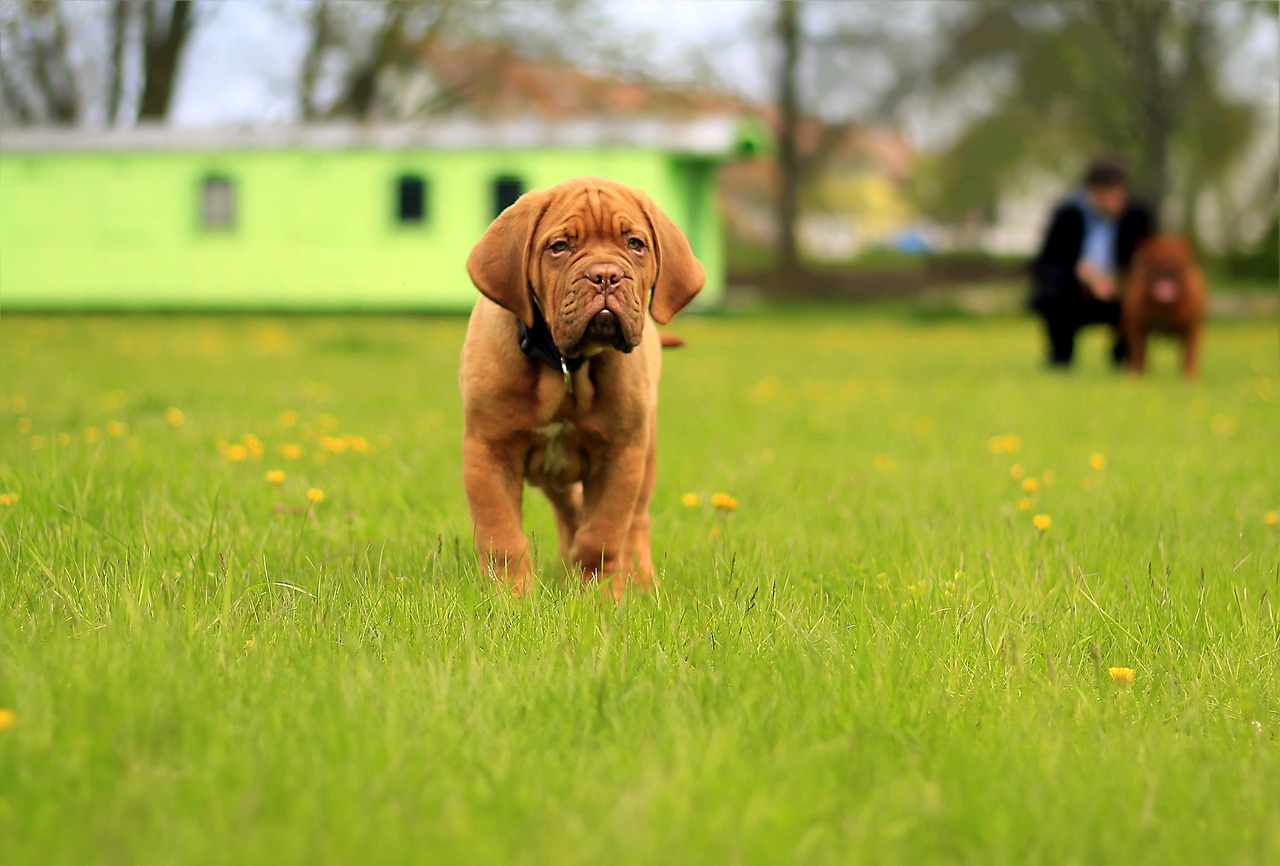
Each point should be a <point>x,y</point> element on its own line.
<point>1053,272</point>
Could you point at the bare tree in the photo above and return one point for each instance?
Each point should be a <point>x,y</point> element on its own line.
<point>374,58</point>
<point>52,62</point>
<point>39,85</point>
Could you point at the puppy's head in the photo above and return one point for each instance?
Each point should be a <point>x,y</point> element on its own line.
<point>593,255</point>
<point>1163,267</point>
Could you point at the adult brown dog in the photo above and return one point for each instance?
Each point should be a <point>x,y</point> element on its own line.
<point>560,373</point>
<point>1165,293</point>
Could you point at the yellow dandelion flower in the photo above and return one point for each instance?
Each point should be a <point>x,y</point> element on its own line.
<point>358,444</point>
<point>7,499</point>
<point>691,500</point>
<point>63,440</point>
<point>327,423</point>
<point>724,501</point>
<point>715,532</point>
<point>92,434</point>
<point>1016,471</point>
<point>1004,444</point>
<point>332,444</point>
<point>8,718</point>
<point>254,444</point>
<point>315,494</point>
<point>24,425</point>
<point>1124,676</point>
<point>237,452</point>
<point>1031,485</point>
<point>1042,522</point>
<point>18,403</point>
<point>1271,518</point>
<point>1098,461</point>
<point>291,451</point>
<point>766,390</point>
<point>288,418</point>
<point>1025,504</point>
<point>174,416</point>
<point>275,476</point>
<point>883,462</point>
<point>115,429</point>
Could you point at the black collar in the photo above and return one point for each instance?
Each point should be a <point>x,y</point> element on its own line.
<point>538,344</point>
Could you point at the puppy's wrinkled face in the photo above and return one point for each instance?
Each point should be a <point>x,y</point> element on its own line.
<point>591,265</point>
<point>1166,265</point>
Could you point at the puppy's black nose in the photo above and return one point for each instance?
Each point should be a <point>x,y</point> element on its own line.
<point>605,276</point>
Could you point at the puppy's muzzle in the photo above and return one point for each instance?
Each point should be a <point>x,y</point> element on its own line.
<point>606,309</point>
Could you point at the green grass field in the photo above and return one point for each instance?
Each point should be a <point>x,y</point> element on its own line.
<point>877,657</point>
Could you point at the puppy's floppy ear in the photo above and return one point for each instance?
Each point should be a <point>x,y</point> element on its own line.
<point>680,275</point>
<point>498,263</point>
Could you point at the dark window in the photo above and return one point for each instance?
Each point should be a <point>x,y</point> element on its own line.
<point>217,203</point>
<point>506,189</point>
<point>411,199</point>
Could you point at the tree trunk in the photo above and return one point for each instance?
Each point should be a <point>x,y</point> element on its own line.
<point>1137,28</point>
<point>360,97</point>
<point>52,71</point>
<point>309,75</point>
<point>115,71</point>
<point>788,34</point>
<point>163,47</point>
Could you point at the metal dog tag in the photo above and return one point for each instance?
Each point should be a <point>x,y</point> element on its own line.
<point>568,377</point>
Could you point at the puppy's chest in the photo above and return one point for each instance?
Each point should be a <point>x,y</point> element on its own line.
<point>557,454</point>
<point>1170,318</point>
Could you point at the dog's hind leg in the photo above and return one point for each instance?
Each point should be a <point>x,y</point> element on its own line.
<point>566,502</point>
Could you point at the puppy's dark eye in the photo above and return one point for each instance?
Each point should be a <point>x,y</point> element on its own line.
<point>635,244</point>
<point>559,247</point>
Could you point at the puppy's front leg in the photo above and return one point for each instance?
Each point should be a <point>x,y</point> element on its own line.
<point>1136,337</point>
<point>610,494</point>
<point>1191,352</point>
<point>493,478</point>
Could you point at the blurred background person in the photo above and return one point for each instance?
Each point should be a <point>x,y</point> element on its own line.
<point>1077,275</point>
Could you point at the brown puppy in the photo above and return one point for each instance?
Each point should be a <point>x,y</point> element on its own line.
<point>1165,293</point>
<point>560,373</point>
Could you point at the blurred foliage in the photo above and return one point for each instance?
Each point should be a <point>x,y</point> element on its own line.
<point>1064,81</point>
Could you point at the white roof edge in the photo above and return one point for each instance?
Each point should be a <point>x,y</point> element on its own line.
<point>710,135</point>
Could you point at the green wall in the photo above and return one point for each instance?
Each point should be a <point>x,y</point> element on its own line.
<point>316,229</point>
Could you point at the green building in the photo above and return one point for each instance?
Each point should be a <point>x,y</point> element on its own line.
<point>317,218</point>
